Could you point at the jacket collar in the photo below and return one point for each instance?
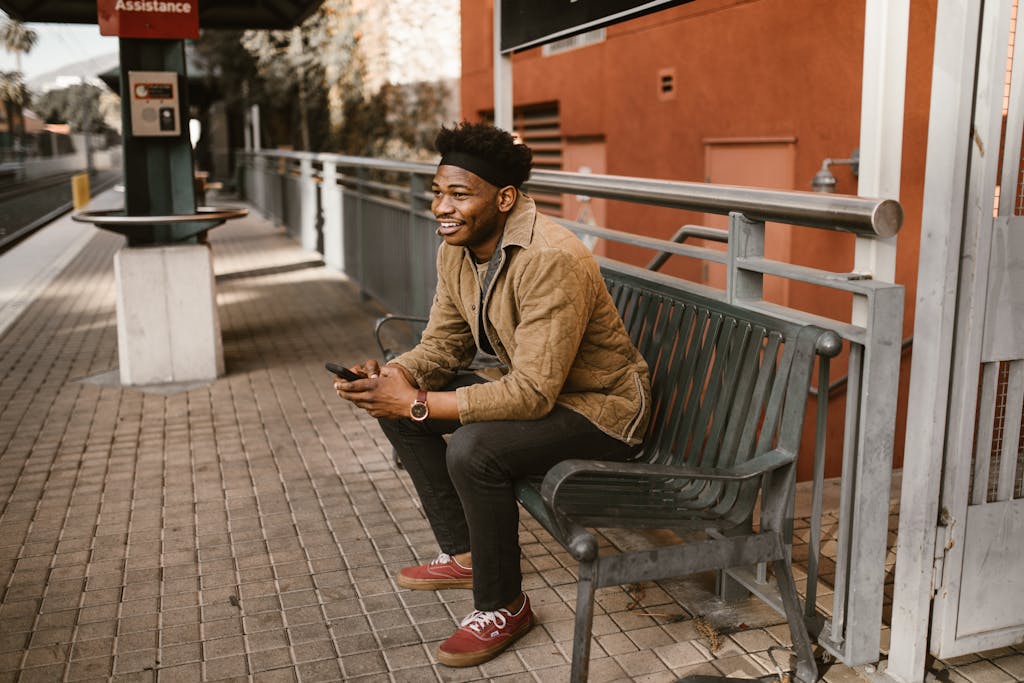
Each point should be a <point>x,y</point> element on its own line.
<point>519,226</point>
<point>518,232</point>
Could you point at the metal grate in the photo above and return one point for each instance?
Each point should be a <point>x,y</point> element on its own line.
<point>1018,486</point>
<point>998,427</point>
<point>1000,415</point>
<point>573,42</point>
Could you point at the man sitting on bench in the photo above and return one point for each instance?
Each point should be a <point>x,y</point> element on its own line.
<point>570,384</point>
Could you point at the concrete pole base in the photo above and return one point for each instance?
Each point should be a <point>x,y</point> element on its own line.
<point>167,324</point>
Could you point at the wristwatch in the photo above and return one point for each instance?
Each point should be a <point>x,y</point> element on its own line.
<point>418,410</point>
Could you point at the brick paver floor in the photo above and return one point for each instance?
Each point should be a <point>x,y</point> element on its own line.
<point>248,529</point>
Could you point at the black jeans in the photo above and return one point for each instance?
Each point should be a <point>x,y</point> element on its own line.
<point>465,485</point>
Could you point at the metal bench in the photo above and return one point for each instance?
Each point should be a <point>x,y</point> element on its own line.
<point>729,391</point>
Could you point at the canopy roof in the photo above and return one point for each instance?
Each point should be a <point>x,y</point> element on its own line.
<point>238,14</point>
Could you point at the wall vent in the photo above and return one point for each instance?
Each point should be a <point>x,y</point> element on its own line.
<point>666,84</point>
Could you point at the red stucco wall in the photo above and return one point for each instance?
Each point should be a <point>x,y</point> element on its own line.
<point>743,68</point>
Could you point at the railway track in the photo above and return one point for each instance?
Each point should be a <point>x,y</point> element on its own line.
<point>27,206</point>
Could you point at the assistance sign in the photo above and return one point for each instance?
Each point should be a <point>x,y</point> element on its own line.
<point>166,19</point>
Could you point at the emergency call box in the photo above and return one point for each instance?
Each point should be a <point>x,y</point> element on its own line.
<point>155,107</point>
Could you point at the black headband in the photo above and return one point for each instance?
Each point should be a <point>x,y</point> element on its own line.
<point>479,166</point>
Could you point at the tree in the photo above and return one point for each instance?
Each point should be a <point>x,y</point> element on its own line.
<point>18,38</point>
<point>324,86</point>
<point>13,98</point>
<point>77,105</point>
<point>12,89</point>
<point>314,64</point>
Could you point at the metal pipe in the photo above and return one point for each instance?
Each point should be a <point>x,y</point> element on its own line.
<point>859,215</point>
<point>684,233</point>
<point>868,217</point>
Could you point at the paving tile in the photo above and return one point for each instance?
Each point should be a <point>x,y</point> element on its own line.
<point>89,669</point>
<point>838,673</point>
<point>266,660</point>
<point>984,671</point>
<point>42,674</point>
<point>182,673</point>
<point>679,655</point>
<point>172,655</point>
<point>223,647</point>
<point>281,675</point>
<point>1013,665</point>
<point>225,667</point>
<point>135,661</point>
<point>637,664</point>
<point>321,671</point>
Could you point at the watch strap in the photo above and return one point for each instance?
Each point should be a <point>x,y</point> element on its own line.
<point>418,410</point>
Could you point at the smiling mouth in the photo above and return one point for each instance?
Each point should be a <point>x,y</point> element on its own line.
<point>447,228</point>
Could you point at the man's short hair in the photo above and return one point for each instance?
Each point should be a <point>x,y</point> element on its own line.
<point>503,161</point>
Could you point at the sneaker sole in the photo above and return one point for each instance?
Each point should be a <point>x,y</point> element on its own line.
<point>432,584</point>
<point>480,656</point>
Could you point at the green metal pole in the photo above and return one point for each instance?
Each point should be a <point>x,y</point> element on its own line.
<point>158,171</point>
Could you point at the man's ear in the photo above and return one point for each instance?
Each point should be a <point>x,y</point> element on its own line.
<point>506,198</point>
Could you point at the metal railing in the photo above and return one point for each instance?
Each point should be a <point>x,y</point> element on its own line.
<point>370,219</point>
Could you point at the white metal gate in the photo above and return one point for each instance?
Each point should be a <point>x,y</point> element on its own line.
<point>979,602</point>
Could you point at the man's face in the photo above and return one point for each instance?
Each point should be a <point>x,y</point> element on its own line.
<point>468,210</point>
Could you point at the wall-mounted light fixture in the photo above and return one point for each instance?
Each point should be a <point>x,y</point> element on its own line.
<point>824,181</point>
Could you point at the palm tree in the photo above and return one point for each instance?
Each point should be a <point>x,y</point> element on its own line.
<point>13,97</point>
<point>18,38</point>
<point>12,88</point>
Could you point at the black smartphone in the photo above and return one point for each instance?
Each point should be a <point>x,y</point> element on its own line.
<point>343,372</point>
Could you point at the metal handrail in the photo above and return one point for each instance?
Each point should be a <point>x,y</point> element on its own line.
<point>859,215</point>
<point>116,217</point>
<point>686,232</point>
<point>863,216</point>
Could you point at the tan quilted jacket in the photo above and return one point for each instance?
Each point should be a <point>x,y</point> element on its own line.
<point>551,323</point>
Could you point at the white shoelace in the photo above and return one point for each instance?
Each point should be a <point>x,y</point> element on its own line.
<point>443,558</point>
<point>478,620</point>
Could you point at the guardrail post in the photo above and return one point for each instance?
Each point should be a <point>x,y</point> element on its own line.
<point>308,205</point>
<point>334,229</point>
<point>418,268</point>
<point>746,240</point>
<point>355,258</point>
<point>259,179</point>
<point>853,634</point>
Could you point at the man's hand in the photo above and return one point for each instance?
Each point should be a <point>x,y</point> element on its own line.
<point>386,392</point>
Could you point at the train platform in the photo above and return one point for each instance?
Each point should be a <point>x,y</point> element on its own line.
<point>250,528</point>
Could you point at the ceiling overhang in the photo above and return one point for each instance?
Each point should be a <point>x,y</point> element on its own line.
<point>216,14</point>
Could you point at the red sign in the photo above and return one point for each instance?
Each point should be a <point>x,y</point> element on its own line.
<point>149,18</point>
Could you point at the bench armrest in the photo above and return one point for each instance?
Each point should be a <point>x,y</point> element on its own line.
<point>567,469</point>
<point>386,353</point>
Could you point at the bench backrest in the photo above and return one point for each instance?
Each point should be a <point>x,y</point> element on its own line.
<point>727,383</point>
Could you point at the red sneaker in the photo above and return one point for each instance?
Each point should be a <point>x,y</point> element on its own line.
<point>483,635</point>
<point>444,572</point>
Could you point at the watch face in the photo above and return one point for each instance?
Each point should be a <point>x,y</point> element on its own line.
<point>418,410</point>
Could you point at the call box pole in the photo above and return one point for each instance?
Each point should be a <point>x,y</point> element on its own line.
<point>158,164</point>
<point>168,329</point>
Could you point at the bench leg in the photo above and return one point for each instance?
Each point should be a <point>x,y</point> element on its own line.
<point>584,623</point>
<point>806,668</point>
<point>729,589</point>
